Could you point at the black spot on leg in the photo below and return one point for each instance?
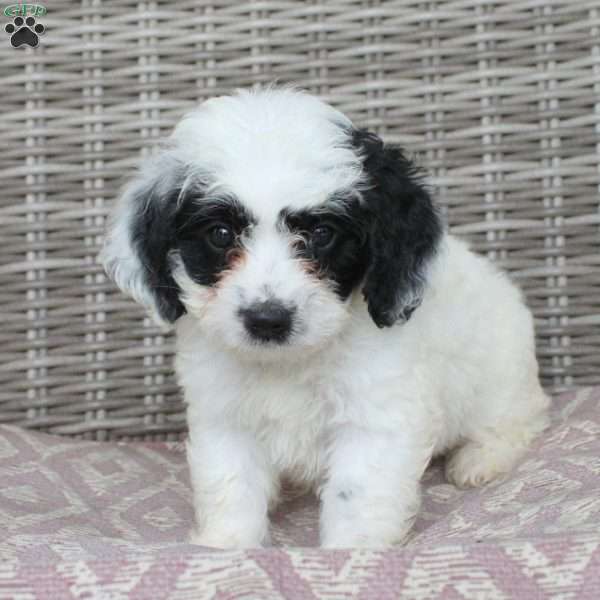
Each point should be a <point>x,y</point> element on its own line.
<point>345,495</point>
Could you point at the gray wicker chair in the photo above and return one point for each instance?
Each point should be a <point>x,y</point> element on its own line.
<point>501,101</point>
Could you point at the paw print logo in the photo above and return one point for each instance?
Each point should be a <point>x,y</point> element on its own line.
<point>24,31</point>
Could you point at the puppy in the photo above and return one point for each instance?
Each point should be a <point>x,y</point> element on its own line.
<point>328,329</point>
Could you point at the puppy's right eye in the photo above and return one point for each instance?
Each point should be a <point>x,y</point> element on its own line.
<point>221,237</point>
<point>322,236</point>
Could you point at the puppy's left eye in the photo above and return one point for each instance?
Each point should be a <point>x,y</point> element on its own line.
<point>322,236</point>
<point>221,237</point>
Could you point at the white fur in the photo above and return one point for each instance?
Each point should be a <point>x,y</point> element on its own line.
<point>353,411</point>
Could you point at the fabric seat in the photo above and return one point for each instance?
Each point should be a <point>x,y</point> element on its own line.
<point>113,518</point>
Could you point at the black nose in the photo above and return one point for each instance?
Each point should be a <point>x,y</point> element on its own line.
<point>269,321</point>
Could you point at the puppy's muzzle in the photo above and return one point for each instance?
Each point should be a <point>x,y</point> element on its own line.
<point>269,321</point>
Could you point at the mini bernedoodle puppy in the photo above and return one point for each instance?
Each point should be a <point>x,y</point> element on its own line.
<point>328,329</point>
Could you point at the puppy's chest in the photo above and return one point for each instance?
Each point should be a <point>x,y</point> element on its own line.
<point>292,423</point>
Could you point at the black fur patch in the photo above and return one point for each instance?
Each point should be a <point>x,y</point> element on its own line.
<point>152,235</point>
<point>344,262</point>
<point>166,221</point>
<point>405,230</point>
<point>203,262</point>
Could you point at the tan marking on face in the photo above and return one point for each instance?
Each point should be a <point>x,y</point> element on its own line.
<point>235,258</point>
<point>312,268</point>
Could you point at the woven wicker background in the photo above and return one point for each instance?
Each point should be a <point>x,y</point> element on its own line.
<point>501,99</point>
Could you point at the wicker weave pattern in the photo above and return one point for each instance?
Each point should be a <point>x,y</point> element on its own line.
<point>501,100</point>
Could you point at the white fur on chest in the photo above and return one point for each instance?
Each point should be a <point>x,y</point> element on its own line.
<point>286,411</point>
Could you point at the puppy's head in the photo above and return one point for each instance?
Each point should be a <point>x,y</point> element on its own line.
<point>263,214</point>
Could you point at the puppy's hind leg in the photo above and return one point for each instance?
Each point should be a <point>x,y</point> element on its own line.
<point>495,450</point>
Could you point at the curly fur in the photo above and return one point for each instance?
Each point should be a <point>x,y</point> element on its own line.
<point>402,344</point>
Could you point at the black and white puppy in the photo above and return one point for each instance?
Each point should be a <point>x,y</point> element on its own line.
<point>328,329</point>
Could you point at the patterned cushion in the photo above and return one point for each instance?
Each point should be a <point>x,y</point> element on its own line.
<point>89,519</point>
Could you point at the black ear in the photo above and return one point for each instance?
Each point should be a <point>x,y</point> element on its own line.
<point>404,234</point>
<point>153,236</point>
<point>141,237</point>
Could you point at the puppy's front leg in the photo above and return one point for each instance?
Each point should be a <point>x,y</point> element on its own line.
<point>232,487</point>
<point>372,492</point>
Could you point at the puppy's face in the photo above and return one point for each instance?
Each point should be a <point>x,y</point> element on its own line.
<point>269,281</point>
<point>263,215</point>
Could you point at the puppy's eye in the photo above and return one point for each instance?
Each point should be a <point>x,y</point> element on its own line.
<point>221,237</point>
<point>322,236</point>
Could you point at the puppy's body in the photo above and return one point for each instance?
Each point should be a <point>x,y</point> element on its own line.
<point>370,409</point>
<point>328,329</point>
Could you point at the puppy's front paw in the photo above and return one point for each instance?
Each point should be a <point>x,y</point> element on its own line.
<point>380,531</point>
